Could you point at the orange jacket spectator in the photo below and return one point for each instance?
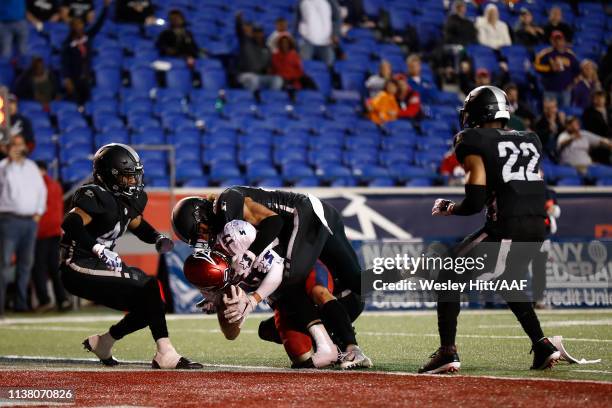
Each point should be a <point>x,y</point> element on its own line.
<point>384,107</point>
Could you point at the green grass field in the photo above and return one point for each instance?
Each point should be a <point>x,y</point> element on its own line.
<point>490,342</point>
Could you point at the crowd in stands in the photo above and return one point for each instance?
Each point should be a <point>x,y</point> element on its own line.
<point>151,71</point>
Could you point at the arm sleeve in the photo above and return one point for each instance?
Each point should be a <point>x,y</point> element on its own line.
<point>42,193</point>
<point>146,233</point>
<point>273,277</point>
<point>267,231</point>
<point>97,26</point>
<point>563,137</point>
<point>474,201</point>
<point>75,230</point>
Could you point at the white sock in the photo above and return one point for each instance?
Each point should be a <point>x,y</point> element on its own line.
<point>326,349</point>
<point>102,345</point>
<point>166,355</point>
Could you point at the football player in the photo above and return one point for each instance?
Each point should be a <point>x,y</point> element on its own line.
<point>306,230</point>
<point>501,168</point>
<point>211,272</point>
<point>101,212</point>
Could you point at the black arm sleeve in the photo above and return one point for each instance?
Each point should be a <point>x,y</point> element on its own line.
<point>145,232</point>
<point>75,230</point>
<point>267,231</point>
<point>97,26</point>
<point>475,199</point>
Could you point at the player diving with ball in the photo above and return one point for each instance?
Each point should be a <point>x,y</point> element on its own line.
<point>101,212</point>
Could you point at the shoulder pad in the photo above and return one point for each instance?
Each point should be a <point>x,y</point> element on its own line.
<point>468,141</point>
<point>230,205</point>
<point>237,237</point>
<point>93,199</point>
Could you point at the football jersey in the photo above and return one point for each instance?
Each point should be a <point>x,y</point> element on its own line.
<point>512,164</point>
<point>110,215</point>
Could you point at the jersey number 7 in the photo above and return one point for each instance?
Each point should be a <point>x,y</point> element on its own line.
<point>512,152</point>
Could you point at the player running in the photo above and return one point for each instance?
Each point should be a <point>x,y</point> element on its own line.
<point>101,212</point>
<point>212,273</point>
<point>502,172</point>
<point>306,230</point>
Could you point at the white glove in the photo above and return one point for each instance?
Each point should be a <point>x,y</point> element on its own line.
<point>442,206</point>
<point>110,258</point>
<point>242,264</point>
<point>239,306</point>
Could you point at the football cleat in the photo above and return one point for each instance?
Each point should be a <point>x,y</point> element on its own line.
<point>183,364</point>
<point>110,361</point>
<point>545,354</point>
<point>444,360</point>
<point>354,358</point>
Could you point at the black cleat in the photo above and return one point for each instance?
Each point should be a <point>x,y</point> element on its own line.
<point>109,362</point>
<point>444,360</point>
<point>183,364</point>
<point>545,354</point>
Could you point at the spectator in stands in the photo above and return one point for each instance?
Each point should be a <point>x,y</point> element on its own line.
<point>492,32</point>
<point>37,83</point>
<point>556,23</point>
<point>451,168</point>
<point>520,111</point>
<point>526,31</point>
<point>177,41</point>
<point>375,83</point>
<point>46,254</point>
<point>574,144</point>
<point>76,56</point>
<point>408,100</point>
<point>459,29</point>
<point>134,11</point>
<point>281,28</point>
<point>415,80</point>
<point>22,202</point>
<point>383,107</point>
<point>319,27</point>
<point>83,9</point>
<point>550,125</point>
<point>586,84</point>
<point>483,77</point>
<point>20,125</point>
<point>597,117</point>
<point>254,58</point>
<point>559,68</point>
<point>13,27</point>
<point>287,64</point>
<point>40,11</point>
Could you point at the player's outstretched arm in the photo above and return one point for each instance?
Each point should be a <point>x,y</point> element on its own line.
<point>475,191</point>
<point>146,233</point>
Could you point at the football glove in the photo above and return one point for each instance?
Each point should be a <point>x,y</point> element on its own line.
<point>207,306</point>
<point>110,258</point>
<point>239,306</point>
<point>442,207</point>
<point>163,244</point>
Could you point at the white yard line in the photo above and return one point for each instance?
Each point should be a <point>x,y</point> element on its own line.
<point>111,317</point>
<point>222,367</point>
<point>560,323</point>
<point>85,329</point>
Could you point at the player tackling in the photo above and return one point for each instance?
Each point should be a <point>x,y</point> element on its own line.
<point>502,173</point>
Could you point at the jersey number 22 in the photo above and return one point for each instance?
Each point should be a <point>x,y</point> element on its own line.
<point>512,152</point>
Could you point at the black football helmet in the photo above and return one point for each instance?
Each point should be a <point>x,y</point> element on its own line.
<point>117,168</point>
<point>188,214</point>
<point>484,104</point>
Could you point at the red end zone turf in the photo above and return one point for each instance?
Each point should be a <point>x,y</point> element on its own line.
<point>223,389</point>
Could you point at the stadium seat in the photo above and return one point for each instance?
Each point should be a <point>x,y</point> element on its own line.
<point>307,182</point>
<point>180,79</point>
<point>143,78</point>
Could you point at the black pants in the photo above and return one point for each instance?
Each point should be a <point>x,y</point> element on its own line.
<point>131,291</point>
<point>46,265</point>
<point>312,241</point>
<point>519,250</point>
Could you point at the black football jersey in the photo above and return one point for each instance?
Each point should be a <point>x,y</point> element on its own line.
<point>512,163</point>
<point>110,215</point>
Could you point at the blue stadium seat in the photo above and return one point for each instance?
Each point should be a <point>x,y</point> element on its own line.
<point>331,171</point>
<point>307,182</point>
<point>154,168</point>
<point>46,152</point>
<point>405,172</point>
<point>599,171</point>
<point>381,182</point>
<point>80,136</point>
<point>114,136</point>
<point>143,78</point>
<point>322,80</point>
<point>197,182</point>
<point>218,156</point>
<point>75,153</point>
<point>269,182</point>
<point>186,170</point>
<point>419,182</point>
<point>368,172</point>
<point>76,171</point>
<point>179,78</point>
<point>223,171</point>
<point>213,79</point>
<point>344,181</point>
<point>108,78</point>
<point>151,136</point>
<point>293,171</point>
<point>569,181</point>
